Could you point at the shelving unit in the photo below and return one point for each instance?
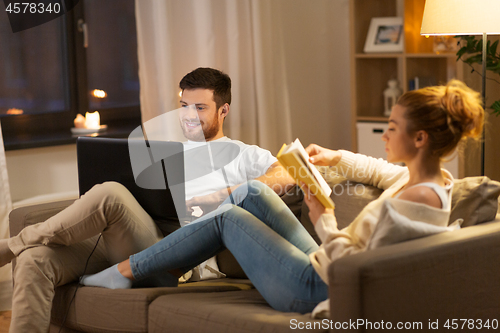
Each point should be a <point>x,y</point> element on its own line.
<point>371,71</point>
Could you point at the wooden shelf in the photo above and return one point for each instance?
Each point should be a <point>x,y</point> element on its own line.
<point>370,72</point>
<point>378,55</point>
<point>431,55</point>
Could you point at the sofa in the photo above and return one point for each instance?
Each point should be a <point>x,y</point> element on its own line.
<point>431,282</point>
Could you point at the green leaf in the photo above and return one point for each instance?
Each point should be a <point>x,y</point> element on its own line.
<point>493,66</point>
<point>470,52</point>
<point>476,59</point>
<point>461,52</point>
<point>479,46</point>
<point>493,49</point>
<point>496,108</point>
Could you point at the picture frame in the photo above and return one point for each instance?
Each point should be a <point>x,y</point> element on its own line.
<point>385,34</point>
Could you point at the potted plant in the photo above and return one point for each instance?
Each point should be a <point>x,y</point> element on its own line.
<point>470,52</point>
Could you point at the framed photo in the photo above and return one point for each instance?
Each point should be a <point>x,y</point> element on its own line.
<point>386,34</point>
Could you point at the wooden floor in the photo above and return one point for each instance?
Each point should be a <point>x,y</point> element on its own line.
<point>4,321</point>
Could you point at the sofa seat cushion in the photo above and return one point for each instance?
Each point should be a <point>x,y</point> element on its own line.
<point>123,310</point>
<point>234,311</point>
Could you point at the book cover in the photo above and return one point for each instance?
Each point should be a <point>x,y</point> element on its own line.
<point>295,160</point>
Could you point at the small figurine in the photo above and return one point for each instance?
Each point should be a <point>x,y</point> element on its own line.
<point>391,95</point>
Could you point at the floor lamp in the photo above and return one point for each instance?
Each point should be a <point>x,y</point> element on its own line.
<point>464,17</point>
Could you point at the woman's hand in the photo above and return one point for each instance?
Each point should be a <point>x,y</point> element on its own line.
<point>323,156</point>
<point>316,209</point>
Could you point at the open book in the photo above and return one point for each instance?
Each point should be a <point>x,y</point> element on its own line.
<point>295,160</point>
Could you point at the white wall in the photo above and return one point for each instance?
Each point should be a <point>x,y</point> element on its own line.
<point>43,171</point>
<point>318,70</point>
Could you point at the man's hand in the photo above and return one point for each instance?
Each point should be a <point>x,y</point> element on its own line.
<point>276,177</point>
<point>316,209</point>
<point>207,203</point>
<point>323,156</point>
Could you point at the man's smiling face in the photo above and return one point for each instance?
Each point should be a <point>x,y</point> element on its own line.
<point>204,123</point>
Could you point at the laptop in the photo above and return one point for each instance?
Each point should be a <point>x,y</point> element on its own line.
<point>146,177</point>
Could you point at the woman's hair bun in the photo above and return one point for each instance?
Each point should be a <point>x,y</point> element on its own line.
<point>464,107</point>
<point>447,113</point>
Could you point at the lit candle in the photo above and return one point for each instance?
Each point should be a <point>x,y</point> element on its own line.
<point>92,120</point>
<point>98,93</point>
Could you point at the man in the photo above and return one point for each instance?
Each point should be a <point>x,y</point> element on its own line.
<point>55,252</point>
<point>213,107</point>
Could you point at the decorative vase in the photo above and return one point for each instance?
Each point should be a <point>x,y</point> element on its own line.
<point>391,95</point>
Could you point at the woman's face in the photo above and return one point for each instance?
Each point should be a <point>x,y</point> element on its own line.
<point>399,145</point>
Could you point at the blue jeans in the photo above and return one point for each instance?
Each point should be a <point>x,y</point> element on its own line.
<point>267,240</point>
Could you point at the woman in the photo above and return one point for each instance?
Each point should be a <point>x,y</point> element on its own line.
<point>278,255</point>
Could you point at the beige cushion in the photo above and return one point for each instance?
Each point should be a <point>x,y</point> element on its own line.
<point>241,311</point>
<point>350,198</point>
<point>475,200</point>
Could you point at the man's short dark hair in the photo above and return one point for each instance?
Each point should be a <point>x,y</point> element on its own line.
<point>212,79</point>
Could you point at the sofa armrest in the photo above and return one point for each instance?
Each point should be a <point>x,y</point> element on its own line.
<point>22,217</point>
<point>451,275</point>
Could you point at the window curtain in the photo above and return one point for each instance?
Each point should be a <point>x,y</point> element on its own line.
<point>5,208</point>
<point>243,38</point>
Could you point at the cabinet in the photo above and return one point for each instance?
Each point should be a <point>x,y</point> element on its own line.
<point>370,72</point>
<point>370,138</point>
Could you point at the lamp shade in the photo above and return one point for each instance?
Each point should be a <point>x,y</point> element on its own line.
<point>461,17</point>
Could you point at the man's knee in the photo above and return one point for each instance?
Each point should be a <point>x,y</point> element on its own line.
<point>257,188</point>
<point>35,265</point>
<point>108,191</point>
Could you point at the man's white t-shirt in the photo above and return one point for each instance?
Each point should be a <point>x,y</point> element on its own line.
<point>244,162</point>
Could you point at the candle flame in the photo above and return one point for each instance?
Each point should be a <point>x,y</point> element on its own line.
<point>98,93</point>
<point>15,111</point>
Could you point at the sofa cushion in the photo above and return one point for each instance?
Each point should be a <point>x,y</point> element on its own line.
<point>123,310</point>
<point>475,200</point>
<point>240,311</point>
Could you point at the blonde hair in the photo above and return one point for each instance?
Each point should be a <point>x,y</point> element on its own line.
<point>448,114</point>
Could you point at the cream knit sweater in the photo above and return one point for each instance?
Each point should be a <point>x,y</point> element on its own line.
<point>355,237</point>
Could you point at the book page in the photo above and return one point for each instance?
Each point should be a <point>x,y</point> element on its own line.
<point>297,146</point>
